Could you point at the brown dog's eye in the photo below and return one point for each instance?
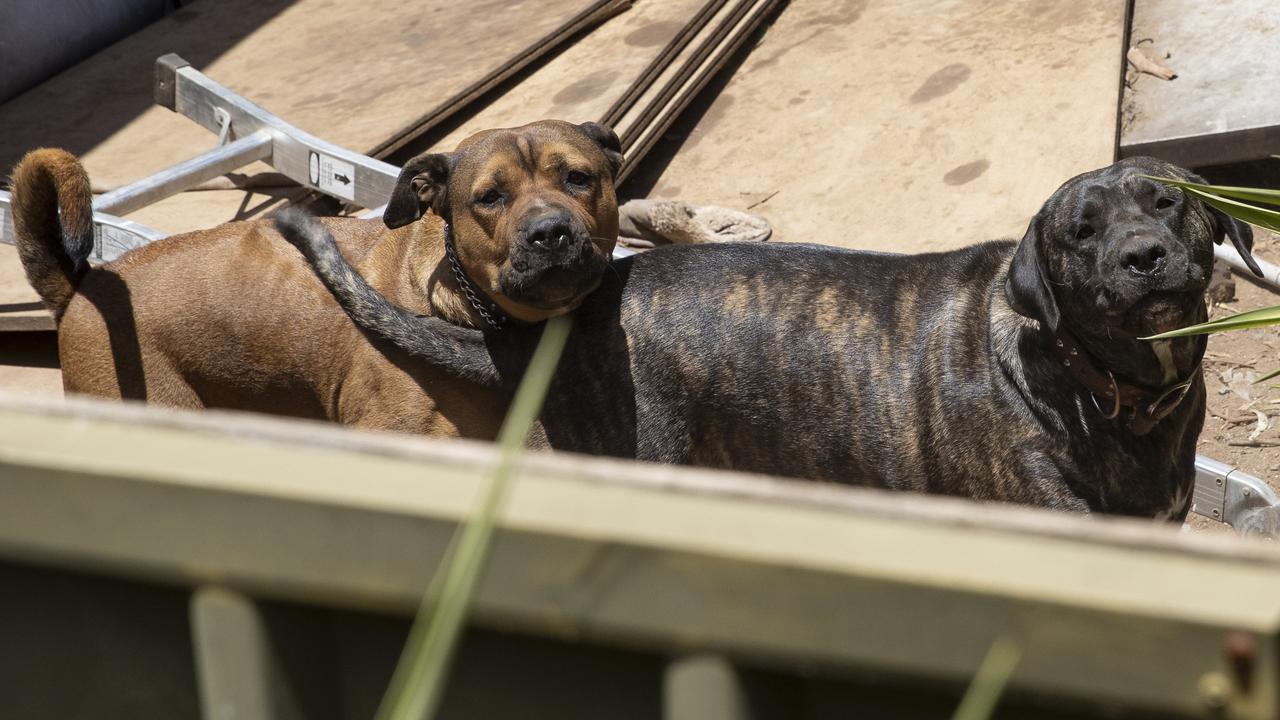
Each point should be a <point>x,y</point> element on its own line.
<point>492,197</point>
<point>1164,202</point>
<point>1085,232</point>
<point>577,178</point>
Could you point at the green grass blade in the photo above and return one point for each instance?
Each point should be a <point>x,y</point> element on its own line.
<point>984,691</point>
<point>1266,377</point>
<point>1269,197</point>
<point>1241,321</point>
<point>418,682</point>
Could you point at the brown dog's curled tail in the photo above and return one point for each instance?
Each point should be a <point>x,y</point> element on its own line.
<point>461,351</point>
<point>53,220</point>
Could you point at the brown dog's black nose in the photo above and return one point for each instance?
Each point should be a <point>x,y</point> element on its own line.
<point>550,232</point>
<point>1143,256</point>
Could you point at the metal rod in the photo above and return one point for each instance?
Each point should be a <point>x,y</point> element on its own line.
<point>236,672</point>
<point>703,687</point>
<point>113,236</point>
<point>187,174</point>
<point>1270,272</point>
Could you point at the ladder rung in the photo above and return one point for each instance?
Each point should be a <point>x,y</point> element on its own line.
<point>173,180</point>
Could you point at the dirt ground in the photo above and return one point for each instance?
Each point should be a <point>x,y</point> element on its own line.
<point>1242,427</point>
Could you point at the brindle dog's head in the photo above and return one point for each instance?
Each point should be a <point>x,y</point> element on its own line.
<point>532,210</point>
<point>1114,254</point>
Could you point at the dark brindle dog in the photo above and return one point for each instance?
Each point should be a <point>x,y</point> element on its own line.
<point>1004,371</point>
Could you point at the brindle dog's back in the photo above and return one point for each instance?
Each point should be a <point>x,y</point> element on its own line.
<point>842,350</point>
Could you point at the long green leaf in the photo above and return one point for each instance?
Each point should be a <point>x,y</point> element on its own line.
<point>418,682</point>
<point>1266,377</point>
<point>1242,321</point>
<point>1269,219</point>
<point>1270,197</point>
<point>984,691</point>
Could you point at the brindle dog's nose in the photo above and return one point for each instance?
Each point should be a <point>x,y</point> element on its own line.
<point>1143,256</point>
<point>549,232</point>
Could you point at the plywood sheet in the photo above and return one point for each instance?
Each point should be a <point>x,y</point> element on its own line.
<point>909,124</point>
<point>1220,107</point>
<point>583,82</point>
<point>351,73</point>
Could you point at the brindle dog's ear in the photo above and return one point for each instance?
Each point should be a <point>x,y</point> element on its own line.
<point>1224,225</point>
<point>1240,233</point>
<point>1027,286</point>
<point>421,185</point>
<point>608,142</point>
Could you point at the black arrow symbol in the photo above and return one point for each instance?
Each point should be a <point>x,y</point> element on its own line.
<point>342,179</point>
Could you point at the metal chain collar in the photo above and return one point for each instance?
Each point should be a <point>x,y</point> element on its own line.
<point>491,314</point>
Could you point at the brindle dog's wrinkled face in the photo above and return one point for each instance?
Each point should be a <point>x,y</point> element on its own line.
<point>532,210</point>
<point>1116,254</point>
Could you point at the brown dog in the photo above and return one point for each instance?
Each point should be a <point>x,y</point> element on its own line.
<point>232,317</point>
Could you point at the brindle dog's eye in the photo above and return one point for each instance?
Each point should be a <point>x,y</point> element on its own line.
<point>1164,202</point>
<point>492,197</point>
<point>1085,232</point>
<point>578,178</point>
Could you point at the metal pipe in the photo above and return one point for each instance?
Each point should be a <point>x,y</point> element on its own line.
<point>1270,272</point>
<point>187,174</point>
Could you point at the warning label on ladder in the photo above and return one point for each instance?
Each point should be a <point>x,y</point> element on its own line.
<point>333,176</point>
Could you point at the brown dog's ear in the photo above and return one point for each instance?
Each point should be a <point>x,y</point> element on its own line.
<point>608,142</point>
<point>1225,226</point>
<point>1027,286</point>
<point>421,185</point>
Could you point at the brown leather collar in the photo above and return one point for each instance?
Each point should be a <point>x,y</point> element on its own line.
<point>1147,407</point>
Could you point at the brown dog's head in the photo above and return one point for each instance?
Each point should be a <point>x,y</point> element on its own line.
<point>532,210</point>
<point>1115,254</point>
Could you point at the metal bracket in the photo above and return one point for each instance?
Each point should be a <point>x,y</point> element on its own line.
<point>224,125</point>
<point>1232,496</point>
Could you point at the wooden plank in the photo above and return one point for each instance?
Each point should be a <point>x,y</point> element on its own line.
<point>908,125</point>
<point>710,59</point>
<point>1111,611</point>
<point>1214,112</point>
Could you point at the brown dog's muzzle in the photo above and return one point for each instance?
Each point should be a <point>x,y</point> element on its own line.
<point>552,232</point>
<point>553,260</point>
